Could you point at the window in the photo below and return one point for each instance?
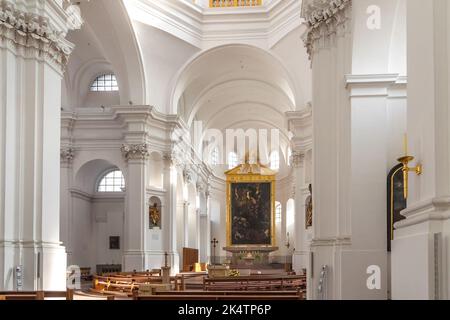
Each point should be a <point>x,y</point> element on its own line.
<point>274,160</point>
<point>215,156</point>
<point>232,160</point>
<point>278,212</point>
<point>112,181</point>
<point>106,82</point>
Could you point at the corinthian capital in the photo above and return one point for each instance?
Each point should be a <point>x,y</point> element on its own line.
<point>297,158</point>
<point>135,151</point>
<point>324,18</point>
<point>67,154</point>
<point>36,35</point>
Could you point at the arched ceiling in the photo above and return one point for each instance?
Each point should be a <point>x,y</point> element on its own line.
<point>232,83</point>
<point>236,87</point>
<point>106,42</point>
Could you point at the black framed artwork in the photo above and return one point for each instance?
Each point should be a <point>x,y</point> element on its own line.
<point>396,201</point>
<point>114,243</point>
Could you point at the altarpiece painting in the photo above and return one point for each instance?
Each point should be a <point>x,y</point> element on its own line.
<point>250,206</point>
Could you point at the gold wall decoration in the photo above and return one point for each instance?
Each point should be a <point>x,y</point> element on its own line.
<point>154,213</point>
<point>250,206</point>
<point>234,3</point>
<point>309,209</point>
<point>405,160</point>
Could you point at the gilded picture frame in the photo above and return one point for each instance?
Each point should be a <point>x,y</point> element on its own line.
<point>243,175</point>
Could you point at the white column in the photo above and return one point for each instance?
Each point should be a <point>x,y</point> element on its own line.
<point>419,261</point>
<point>33,54</point>
<point>300,254</point>
<point>67,155</point>
<point>186,205</point>
<point>136,209</point>
<point>329,44</point>
<point>170,214</point>
<point>300,124</point>
<point>207,228</point>
<point>373,142</point>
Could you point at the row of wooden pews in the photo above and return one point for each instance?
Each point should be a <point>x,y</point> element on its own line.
<point>70,294</point>
<point>124,284</point>
<point>222,295</point>
<point>143,286</point>
<point>256,283</point>
<point>36,295</point>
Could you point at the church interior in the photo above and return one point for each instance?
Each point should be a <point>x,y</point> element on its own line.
<point>224,149</point>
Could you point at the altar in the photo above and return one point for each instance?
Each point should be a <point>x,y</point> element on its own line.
<point>250,214</point>
<point>250,256</point>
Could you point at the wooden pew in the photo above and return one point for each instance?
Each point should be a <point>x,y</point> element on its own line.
<point>219,298</point>
<point>258,283</point>
<point>235,296</point>
<point>36,295</point>
<point>123,284</point>
<point>298,293</point>
<point>96,296</point>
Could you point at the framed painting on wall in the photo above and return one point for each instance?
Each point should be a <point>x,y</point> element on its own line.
<point>250,206</point>
<point>114,243</point>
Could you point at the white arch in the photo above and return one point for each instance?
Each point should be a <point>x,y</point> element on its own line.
<point>178,87</point>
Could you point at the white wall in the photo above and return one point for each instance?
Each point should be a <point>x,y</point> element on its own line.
<point>98,99</point>
<point>108,219</point>
<point>82,242</point>
<point>94,220</point>
<point>164,57</point>
<point>291,51</point>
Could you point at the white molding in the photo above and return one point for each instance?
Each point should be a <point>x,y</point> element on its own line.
<point>390,85</point>
<point>97,197</point>
<point>331,241</point>
<point>435,209</point>
<point>209,27</point>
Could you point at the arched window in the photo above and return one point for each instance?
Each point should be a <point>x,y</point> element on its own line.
<point>105,82</point>
<point>277,212</point>
<point>232,160</point>
<point>215,156</point>
<point>275,160</point>
<point>112,181</point>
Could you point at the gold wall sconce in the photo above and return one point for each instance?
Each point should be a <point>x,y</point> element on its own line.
<point>405,160</point>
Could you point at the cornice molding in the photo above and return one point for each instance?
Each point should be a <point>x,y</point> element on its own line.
<point>331,242</point>
<point>390,85</point>
<point>97,197</point>
<point>33,35</point>
<point>435,209</point>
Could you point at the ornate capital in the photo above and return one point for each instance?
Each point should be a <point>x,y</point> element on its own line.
<point>324,18</point>
<point>35,36</point>
<point>297,158</point>
<point>67,154</point>
<point>200,187</point>
<point>188,175</point>
<point>135,151</point>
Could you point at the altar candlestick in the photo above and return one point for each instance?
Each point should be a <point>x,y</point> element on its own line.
<point>405,144</point>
